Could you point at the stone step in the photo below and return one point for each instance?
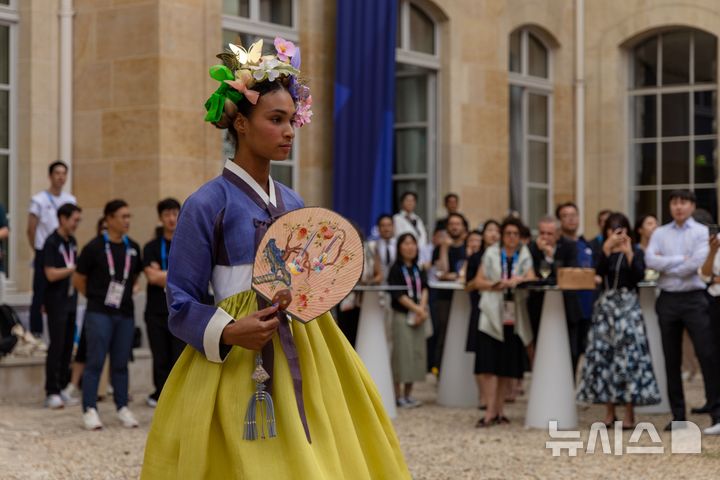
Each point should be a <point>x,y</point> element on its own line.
<point>23,378</point>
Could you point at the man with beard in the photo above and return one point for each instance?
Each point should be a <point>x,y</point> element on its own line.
<point>448,259</point>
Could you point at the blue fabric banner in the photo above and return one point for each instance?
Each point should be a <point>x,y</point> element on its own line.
<point>364,109</point>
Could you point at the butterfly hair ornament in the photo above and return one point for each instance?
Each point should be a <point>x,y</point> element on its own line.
<point>242,69</point>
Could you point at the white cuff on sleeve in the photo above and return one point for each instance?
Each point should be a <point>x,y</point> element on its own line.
<point>703,277</point>
<point>213,333</point>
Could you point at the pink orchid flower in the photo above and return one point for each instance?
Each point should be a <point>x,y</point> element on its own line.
<point>302,117</point>
<point>285,49</point>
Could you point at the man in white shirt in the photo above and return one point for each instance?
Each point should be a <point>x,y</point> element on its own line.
<point>407,221</point>
<point>677,250</point>
<point>42,222</point>
<point>384,251</point>
<point>384,247</point>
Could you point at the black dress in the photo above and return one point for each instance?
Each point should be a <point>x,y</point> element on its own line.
<point>506,358</point>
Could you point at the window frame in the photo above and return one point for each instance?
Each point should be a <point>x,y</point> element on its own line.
<point>9,12</point>
<point>10,17</point>
<point>657,91</point>
<point>431,65</point>
<point>537,86</point>
<point>252,25</point>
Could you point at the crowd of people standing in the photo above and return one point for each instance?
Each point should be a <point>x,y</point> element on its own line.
<point>105,271</point>
<point>493,263</point>
<point>605,324</point>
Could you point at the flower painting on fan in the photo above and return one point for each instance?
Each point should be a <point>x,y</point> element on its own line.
<point>313,252</point>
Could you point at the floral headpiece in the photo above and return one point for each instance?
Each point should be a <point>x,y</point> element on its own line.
<point>242,69</point>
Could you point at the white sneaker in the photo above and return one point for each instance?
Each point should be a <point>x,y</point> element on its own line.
<point>68,395</point>
<point>54,402</point>
<point>151,402</point>
<point>91,420</point>
<point>127,418</point>
<point>714,430</point>
<point>412,403</point>
<point>40,345</point>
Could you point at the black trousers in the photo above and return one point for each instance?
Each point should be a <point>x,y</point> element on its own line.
<point>577,334</point>
<point>61,329</point>
<point>165,348</point>
<point>39,284</point>
<point>689,310</point>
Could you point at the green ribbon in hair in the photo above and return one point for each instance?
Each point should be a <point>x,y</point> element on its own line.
<point>215,104</point>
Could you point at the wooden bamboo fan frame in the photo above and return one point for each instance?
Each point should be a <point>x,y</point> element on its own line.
<point>308,261</point>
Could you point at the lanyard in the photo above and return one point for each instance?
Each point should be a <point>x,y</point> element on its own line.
<point>163,254</point>
<point>408,282</point>
<point>111,261</point>
<point>503,260</point>
<point>52,202</point>
<point>69,257</point>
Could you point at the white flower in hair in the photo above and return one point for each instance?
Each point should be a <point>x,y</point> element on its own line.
<point>267,69</point>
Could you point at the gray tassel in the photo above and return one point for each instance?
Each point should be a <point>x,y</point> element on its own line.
<point>260,414</point>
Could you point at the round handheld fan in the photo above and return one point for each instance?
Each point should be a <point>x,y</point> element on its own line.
<point>308,261</point>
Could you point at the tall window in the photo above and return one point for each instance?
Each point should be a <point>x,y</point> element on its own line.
<point>530,126</point>
<point>246,21</point>
<point>8,63</point>
<point>417,66</point>
<point>673,105</point>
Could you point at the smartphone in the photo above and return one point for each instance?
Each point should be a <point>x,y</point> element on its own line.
<point>713,229</point>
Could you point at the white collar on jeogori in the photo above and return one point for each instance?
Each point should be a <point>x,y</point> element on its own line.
<point>245,177</point>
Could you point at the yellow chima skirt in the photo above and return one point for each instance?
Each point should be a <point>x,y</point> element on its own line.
<point>197,430</point>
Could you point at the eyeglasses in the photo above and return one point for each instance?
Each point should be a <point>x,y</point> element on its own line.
<point>511,233</point>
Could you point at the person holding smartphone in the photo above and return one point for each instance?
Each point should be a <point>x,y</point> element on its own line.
<point>710,274</point>
<point>618,369</point>
<point>677,251</point>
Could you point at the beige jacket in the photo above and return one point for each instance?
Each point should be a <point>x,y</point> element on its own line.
<point>491,302</point>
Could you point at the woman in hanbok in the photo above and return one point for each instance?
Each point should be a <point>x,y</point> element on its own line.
<point>329,421</point>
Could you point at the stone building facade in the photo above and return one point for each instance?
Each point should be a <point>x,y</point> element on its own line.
<point>487,103</point>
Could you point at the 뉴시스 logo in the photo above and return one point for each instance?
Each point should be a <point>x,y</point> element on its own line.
<point>685,437</point>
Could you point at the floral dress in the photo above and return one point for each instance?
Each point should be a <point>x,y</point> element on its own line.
<point>618,367</point>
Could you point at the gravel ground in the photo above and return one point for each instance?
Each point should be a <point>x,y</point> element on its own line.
<point>439,443</point>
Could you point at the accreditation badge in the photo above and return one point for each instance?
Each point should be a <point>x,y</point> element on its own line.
<point>114,295</point>
<point>509,312</point>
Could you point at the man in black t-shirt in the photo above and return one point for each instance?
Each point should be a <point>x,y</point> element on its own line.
<point>452,205</point>
<point>107,270</point>
<point>60,301</point>
<point>165,347</point>
<point>448,259</point>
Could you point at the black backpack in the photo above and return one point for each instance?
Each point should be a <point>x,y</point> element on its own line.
<point>8,319</point>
